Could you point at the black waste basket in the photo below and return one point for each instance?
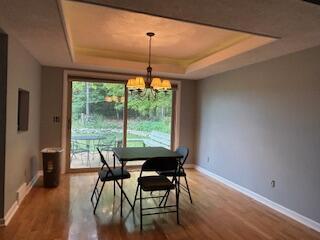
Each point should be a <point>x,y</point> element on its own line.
<point>51,166</point>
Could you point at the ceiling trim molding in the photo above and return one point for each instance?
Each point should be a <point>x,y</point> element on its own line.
<point>65,30</point>
<point>84,52</point>
<point>104,4</point>
<point>117,75</point>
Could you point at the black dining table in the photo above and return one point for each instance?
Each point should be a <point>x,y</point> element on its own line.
<point>126,154</point>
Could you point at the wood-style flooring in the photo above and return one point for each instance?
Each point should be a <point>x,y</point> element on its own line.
<point>218,212</point>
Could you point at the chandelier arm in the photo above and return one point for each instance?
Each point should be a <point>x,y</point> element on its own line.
<point>142,94</point>
<point>154,93</point>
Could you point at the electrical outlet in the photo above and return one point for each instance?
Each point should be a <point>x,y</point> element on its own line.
<point>273,183</point>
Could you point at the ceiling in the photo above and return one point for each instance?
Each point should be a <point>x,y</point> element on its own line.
<point>192,41</point>
<point>113,34</point>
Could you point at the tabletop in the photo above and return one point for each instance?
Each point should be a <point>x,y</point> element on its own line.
<point>87,137</point>
<point>143,153</point>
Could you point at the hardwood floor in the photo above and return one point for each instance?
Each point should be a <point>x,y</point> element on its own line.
<point>218,212</point>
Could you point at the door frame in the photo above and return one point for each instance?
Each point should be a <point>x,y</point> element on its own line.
<point>3,112</point>
<point>113,78</point>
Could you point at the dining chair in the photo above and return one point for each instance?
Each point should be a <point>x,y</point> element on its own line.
<point>157,183</point>
<point>106,174</point>
<point>183,151</point>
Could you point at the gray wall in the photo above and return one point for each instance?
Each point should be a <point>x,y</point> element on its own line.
<point>187,117</point>
<point>22,148</point>
<point>52,88</point>
<point>51,105</point>
<point>262,122</point>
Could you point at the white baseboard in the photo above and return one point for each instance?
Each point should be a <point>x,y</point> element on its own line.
<point>29,186</point>
<point>22,192</point>
<point>188,165</point>
<point>10,213</point>
<point>289,213</point>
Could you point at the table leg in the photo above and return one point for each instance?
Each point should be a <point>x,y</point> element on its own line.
<point>121,188</point>
<point>124,194</point>
<point>177,197</point>
<point>88,154</point>
<point>114,184</point>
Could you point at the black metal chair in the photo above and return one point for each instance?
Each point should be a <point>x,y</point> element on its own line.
<point>184,151</point>
<point>107,143</point>
<point>106,174</point>
<point>77,147</point>
<point>157,183</point>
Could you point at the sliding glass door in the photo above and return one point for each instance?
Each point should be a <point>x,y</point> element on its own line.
<point>97,120</point>
<point>102,115</point>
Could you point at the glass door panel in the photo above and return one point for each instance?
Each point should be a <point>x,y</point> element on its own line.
<point>97,120</point>
<point>150,121</point>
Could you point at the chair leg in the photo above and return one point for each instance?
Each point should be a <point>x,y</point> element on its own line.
<point>81,159</point>
<point>121,197</point>
<point>177,204</point>
<point>167,194</point>
<point>163,198</point>
<point>165,203</point>
<point>135,196</point>
<point>94,190</point>
<point>114,184</point>
<point>185,178</point>
<point>94,211</point>
<point>140,209</point>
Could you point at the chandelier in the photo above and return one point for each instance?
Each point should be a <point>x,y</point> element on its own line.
<point>150,85</point>
<point>115,99</point>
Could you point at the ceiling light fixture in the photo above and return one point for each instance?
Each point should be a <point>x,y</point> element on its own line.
<point>151,85</point>
<point>116,99</point>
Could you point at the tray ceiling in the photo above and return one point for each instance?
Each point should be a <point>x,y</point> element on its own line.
<point>112,37</point>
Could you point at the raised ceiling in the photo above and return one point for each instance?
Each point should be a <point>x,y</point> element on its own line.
<point>39,26</point>
<point>112,37</point>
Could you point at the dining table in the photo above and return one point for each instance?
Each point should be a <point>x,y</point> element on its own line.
<point>126,154</point>
<point>89,142</point>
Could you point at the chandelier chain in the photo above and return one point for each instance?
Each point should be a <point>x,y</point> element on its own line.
<point>150,50</point>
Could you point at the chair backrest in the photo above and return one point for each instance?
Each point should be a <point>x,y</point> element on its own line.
<point>103,161</point>
<point>184,151</point>
<point>160,164</point>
